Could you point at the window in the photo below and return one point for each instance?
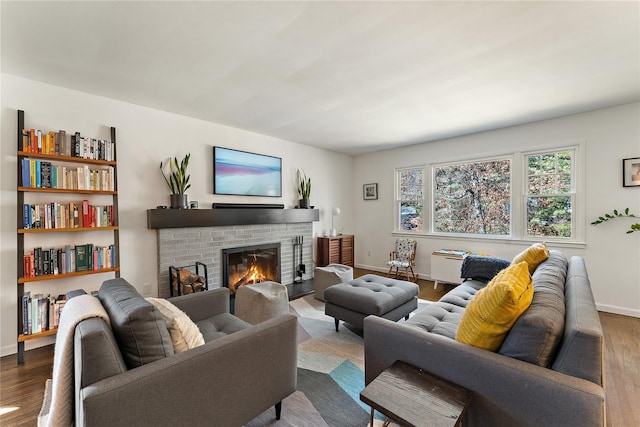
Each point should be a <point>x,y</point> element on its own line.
<point>473,197</point>
<point>550,194</point>
<point>534,195</point>
<point>410,199</point>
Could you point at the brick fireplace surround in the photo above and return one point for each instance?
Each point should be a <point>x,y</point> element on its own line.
<point>187,236</point>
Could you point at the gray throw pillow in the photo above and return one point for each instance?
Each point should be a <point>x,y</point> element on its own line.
<point>138,327</point>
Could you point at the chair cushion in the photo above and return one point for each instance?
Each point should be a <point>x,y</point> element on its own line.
<point>397,263</point>
<point>533,255</point>
<point>184,333</point>
<point>493,311</point>
<point>220,325</point>
<point>138,326</point>
<point>482,268</point>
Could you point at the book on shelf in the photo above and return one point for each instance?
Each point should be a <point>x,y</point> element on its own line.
<point>82,261</point>
<point>26,173</point>
<point>26,303</point>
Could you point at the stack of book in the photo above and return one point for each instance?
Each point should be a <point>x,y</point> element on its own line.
<point>43,174</point>
<point>41,312</point>
<point>61,144</point>
<point>53,261</point>
<point>451,253</point>
<point>67,215</point>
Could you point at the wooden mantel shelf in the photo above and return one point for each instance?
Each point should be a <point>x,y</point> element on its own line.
<point>182,218</point>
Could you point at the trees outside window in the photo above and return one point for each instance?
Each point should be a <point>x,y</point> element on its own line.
<point>477,198</point>
<point>473,197</point>
<point>550,194</point>
<point>410,199</point>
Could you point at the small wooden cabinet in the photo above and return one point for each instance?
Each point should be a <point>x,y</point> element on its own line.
<point>335,250</point>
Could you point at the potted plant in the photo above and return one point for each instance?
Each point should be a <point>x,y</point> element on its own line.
<point>178,180</point>
<point>304,189</point>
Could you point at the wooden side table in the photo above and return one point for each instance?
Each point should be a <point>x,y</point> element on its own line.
<point>416,398</point>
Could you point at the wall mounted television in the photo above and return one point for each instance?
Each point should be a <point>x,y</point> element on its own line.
<point>241,173</point>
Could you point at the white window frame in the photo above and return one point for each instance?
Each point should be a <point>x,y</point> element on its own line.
<point>519,171</point>
<point>576,193</point>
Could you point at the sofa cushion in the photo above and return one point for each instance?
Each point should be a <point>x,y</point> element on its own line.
<point>533,255</point>
<point>442,317</point>
<point>536,334</point>
<point>184,333</point>
<point>138,326</point>
<point>482,268</point>
<point>493,311</point>
<point>221,325</point>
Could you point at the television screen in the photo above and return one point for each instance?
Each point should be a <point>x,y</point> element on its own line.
<point>246,174</point>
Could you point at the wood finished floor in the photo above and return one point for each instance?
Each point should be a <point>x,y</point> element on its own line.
<point>22,386</point>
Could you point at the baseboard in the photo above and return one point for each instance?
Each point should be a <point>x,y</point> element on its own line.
<point>618,310</point>
<point>8,350</point>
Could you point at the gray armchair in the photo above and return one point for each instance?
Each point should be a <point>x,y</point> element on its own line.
<point>238,373</point>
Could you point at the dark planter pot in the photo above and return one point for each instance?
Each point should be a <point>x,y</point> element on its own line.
<point>178,201</point>
<point>305,203</point>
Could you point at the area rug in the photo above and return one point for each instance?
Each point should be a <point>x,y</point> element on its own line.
<point>330,374</point>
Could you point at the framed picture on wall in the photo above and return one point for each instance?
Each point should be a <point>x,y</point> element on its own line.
<point>370,191</point>
<point>631,172</point>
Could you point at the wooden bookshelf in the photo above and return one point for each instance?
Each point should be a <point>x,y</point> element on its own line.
<point>39,234</point>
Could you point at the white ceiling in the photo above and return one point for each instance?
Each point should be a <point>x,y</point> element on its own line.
<point>347,76</point>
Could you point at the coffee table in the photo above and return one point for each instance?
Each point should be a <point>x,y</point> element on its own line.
<point>413,397</point>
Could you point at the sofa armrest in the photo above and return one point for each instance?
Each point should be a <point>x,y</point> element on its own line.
<point>505,391</point>
<point>228,381</point>
<point>203,305</point>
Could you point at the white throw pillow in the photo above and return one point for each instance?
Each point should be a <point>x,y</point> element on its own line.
<point>184,333</point>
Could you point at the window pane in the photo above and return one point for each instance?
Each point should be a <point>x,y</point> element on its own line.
<point>564,183</point>
<point>534,185</point>
<point>473,198</point>
<point>411,216</point>
<point>411,184</point>
<point>549,216</point>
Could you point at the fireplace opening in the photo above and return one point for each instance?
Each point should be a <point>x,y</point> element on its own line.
<point>250,264</point>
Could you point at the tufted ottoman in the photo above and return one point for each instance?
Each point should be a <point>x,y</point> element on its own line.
<point>370,295</point>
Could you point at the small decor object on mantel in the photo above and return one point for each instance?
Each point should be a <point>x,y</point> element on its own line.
<point>370,191</point>
<point>304,189</point>
<point>631,172</point>
<point>178,181</point>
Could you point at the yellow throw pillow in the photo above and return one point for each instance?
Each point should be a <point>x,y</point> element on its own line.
<point>491,313</point>
<point>184,333</point>
<point>533,255</point>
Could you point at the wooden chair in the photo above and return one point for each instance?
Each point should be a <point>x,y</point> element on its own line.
<point>402,258</point>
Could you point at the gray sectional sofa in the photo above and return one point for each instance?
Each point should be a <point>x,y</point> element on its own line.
<point>548,372</point>
<point>128,374</point>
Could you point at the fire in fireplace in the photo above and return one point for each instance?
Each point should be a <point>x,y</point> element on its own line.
<point>250,264</point>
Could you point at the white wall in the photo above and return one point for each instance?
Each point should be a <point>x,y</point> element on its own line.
<point>612,257</point>
<point>145,137</point>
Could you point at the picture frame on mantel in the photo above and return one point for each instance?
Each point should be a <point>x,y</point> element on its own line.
<point>631,172</point>
<point>370,191</point>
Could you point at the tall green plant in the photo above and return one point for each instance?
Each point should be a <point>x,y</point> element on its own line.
<point>304,185</point>
<point>616,214</point>
<point>178,180</point>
